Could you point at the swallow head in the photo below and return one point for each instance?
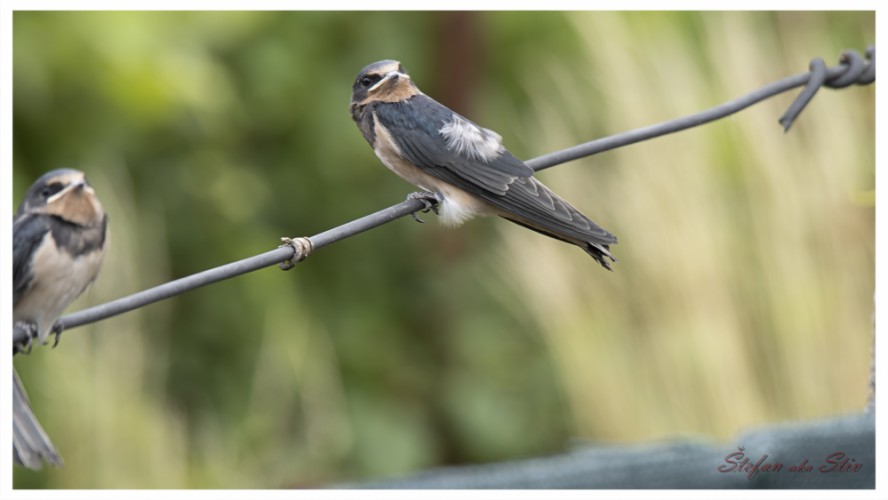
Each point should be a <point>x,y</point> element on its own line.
<point>66,194</point>
<point>382,81</point>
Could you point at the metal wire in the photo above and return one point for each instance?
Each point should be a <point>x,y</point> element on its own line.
<point>850,70</point>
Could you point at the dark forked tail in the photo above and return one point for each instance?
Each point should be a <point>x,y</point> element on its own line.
<point>600,253</point>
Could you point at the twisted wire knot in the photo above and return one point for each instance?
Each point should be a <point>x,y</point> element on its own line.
<point>852,69</point>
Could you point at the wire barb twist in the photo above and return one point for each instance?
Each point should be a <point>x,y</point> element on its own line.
<point>302,248</point>
<point>854,70</point>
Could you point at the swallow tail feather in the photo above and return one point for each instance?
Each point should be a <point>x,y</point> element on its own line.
<point>30,443</point>
<point>600,253</point>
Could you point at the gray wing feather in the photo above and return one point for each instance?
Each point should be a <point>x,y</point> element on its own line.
<point>537,203</point>
<point>28,231</point>
<point>415,126</point>
<point>504,181</point>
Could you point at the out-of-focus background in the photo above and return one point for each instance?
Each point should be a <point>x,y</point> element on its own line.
<point>743,293</point>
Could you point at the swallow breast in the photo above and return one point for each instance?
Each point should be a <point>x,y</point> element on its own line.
<point>57,278</point>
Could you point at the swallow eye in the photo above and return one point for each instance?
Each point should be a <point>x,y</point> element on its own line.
<point>51,189</point>
<point>366,81</point>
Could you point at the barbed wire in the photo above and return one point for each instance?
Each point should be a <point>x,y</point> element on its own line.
<point>852,69</point>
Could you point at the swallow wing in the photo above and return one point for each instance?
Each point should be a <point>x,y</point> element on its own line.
<point>28,231</point>
<point>543,210</point>
<point>443,143</point>
<point>455,150</point>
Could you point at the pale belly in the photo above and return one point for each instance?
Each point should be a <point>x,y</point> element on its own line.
<point>61,278</point>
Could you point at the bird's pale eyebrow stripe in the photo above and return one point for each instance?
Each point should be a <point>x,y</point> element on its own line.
<point>466,138</point>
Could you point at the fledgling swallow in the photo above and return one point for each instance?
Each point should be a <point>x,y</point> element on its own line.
<point>58,244</point>
<point>462,166</point>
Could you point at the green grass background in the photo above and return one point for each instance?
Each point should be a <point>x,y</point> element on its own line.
<point>743,293</point>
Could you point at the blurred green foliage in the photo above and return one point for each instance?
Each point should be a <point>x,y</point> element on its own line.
<point>743,294</point>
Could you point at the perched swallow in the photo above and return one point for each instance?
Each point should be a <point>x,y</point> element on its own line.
<point>460,165</point>
<point>58,237</point>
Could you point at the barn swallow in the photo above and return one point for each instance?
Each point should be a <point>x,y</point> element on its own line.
<point>462,168</point>
<point>58,242</point>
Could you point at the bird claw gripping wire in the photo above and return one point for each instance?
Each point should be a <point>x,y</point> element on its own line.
<point>30,333</point>
<point>57,330</point>
<point>301,250</point>
<point>431,201</point>
<point>852,69</point>
<point>30,330</point>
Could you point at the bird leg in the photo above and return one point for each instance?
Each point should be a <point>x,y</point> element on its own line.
<point>429,200</point>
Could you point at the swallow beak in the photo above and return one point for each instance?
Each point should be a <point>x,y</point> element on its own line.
<point>393,75</point>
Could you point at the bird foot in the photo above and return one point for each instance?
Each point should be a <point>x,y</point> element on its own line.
<point>57,330</point>
<point>430,201</point>
<point>30,329</point>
